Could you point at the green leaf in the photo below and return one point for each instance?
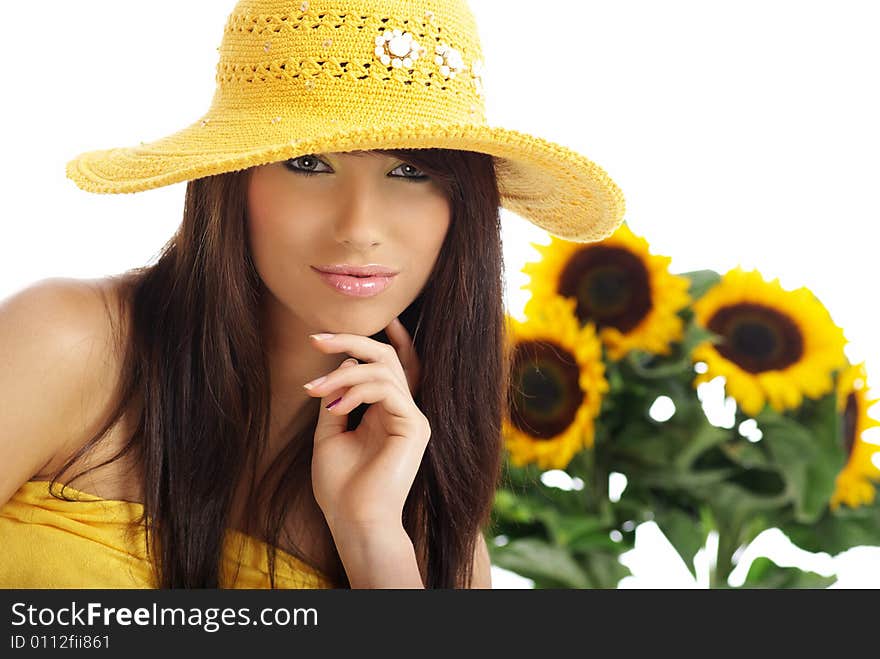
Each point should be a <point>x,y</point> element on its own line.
<point>764,573</point>
<point>837,531</point>
<point>825,424</point>
<point>798,455</point>
<point>644,443</point>
<point>701,281</point>
<point>564,529</point>
<point>588,542</point>
<point>695,335</point>
<point>822,419</point>
<point>808,452</point>
<point>634,503</point>
<point>705,437</point>
<point>761,482</point>
<point>543,563</point>
<point>684,532</point>
<point>820,480</point>
<point>614,377</point>
<point>650,366</point>
<point>688,407</point>
<point>787,441</point>
<point>733,506</point>
<point>674,479</point>
<point>604,568</point>
<point>653,366</point>
<point>747,454</point>
<point>512,507</point>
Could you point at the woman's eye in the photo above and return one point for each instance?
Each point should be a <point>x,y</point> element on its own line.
<point>410,169</point>
<point>306,165</point>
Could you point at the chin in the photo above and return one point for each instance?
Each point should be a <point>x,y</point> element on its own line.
<point>360,327</point>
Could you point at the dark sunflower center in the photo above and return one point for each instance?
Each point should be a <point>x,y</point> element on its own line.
<point>850,416</point>
<point>545,394</point>
<point>610,285</point>
<point>757,338</point>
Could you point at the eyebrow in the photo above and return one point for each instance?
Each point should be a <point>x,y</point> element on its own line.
<point>361,154</point>
<point>356,154</point>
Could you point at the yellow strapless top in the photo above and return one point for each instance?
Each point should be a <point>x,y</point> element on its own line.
<point>46,542</point>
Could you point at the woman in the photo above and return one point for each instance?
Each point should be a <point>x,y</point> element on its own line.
<point>333,140</point>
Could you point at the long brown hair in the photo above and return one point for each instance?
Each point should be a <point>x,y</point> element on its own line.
<point>195,374</point>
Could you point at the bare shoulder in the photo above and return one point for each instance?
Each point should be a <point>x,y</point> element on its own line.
<point>67,325</point>
<point>68,309</point>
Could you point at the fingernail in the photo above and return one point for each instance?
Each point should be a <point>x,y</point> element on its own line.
<point>315,383</point>
<point>321,337</point>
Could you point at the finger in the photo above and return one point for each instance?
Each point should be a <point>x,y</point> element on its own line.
<point>406,351</point>
<point>400,407</point>
<point>363,348</point>
<point>342,378</point>
<point>329,424</point>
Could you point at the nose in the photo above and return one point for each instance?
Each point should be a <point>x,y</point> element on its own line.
<point>360,216</point>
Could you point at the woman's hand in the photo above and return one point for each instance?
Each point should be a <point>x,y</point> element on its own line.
<point>361,478</point>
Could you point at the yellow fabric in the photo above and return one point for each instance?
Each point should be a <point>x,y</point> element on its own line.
<point>92,543</point>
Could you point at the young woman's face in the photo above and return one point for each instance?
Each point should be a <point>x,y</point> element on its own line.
<point>353,208</point>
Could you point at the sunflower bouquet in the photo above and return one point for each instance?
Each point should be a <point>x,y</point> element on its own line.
<point>608,427</point>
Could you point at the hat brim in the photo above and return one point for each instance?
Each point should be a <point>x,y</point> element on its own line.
<point>554,187</point>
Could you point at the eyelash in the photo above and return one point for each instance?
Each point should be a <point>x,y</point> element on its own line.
<point>306,172</point>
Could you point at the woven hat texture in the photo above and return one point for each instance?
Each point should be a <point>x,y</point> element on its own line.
<point>297,78</point>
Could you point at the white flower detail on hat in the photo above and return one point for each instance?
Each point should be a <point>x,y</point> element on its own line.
<point>449,60</point>
<point>398,48</point>
<point>477,69</point>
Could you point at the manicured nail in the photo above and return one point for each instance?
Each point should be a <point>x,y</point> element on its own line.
<point>315,383</point>
<point>321,337</point>
<point>334,402</point>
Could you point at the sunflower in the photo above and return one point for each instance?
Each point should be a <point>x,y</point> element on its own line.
<point>856,482</point>
<point>557,380</point>
<point>776,346</point>
<point>625,291</point>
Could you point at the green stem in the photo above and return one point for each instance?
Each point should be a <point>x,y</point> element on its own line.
<point>728,543</point>
<point>584,466</point>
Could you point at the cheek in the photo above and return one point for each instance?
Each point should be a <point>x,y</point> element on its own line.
<point>262,210</point>
<point>264,205</point>
<point>280,219</point>
<point>436,220</point>
<point>425,237</point>
<point>278,230</point>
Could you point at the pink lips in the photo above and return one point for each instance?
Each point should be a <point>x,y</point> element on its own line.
<point>356,286</point>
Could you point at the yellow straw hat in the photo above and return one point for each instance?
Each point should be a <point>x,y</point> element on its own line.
<point>297,78</point>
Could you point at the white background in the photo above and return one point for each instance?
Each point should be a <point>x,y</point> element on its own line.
<point>742,133</point>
